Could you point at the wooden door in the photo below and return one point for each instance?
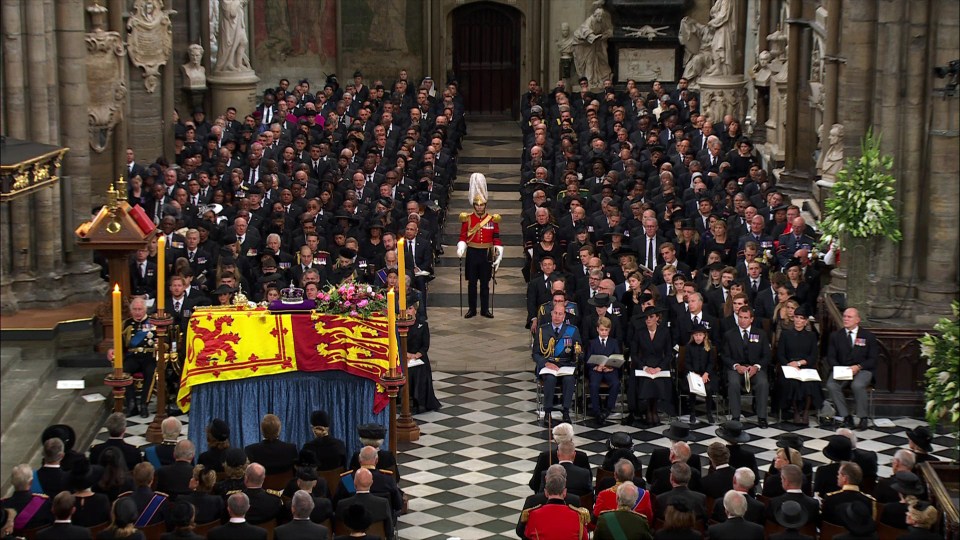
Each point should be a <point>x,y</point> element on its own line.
<point>486,58</point>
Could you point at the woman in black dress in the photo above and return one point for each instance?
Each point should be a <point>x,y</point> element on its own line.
<point>548,245</point>
<point>124,516</point>
<point>721,242</point>
<point>91,508</point>
<point>208,507</point>
<point>699,360</point>
<point>421,376</point>
<point>679,521</point>
<point>182,521</point>
<point>772,485</point>
<point>652,352</point>
<point>116,477</point>
<point>218,441</point>
<point>798,348</point>
<point>688,244</point>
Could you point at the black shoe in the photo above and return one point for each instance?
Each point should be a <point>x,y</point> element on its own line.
<point>693,420</point>
<point>848,422</point>
<point>627,420</point>
<point>566,418</point>
<point>863,425</point>
<point>604,415</point>
<point>545,421</point>
<point>735,418</point>
<point>762,423</point>
<point>470,314</point>
<point>487,314</point>
<point>709,417</point>
<point>144,409</point>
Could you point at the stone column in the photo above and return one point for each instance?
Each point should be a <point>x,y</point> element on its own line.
<point>793,85</point>
<point>831,75</point>
<point>15,88</point>
<point>53,96</point>
<point>120,144</point>
<point>725,92</point>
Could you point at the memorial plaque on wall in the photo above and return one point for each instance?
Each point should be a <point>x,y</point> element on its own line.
<point>646,65</point>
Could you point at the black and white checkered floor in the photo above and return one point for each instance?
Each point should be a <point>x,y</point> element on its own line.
<point>467,475</point>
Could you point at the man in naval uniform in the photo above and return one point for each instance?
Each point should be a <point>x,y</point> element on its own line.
<point>139,342</point>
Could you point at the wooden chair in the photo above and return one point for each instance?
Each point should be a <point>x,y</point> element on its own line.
<point>95,529</point>
<point>602,474</point>
<point>376,529</point>
<point>332,477</point>
<point>204,528</point>
<point>328,523</point>
<point>829,530</point>
<point>268,526</point>
<point>887,532</point>
<point>153,532</point>
<point>586,501</point>
<point>277,481</point>
<point>31,534</point>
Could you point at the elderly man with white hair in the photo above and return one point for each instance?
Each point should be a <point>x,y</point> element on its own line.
<point>736,527</point>
<point>33,509</point>
<point>301,528</point>
<point>561,432</point>
<point>744,480</point>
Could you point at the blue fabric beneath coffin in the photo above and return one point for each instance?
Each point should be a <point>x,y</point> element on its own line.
<point>348,400</point>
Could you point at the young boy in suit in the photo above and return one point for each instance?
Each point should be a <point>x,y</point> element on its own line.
<point>603,345</point>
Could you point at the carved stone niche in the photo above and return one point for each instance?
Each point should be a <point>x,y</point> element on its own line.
<point>106,79</point>
<point>151,39</point>
<point>645,43</point>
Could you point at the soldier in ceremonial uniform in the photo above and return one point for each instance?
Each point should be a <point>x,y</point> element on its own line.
<point>139,342</point>
<point>384,481</point>
<point>555,518</point>
<point>848,478</point>
<point>374,435</point>
<point>480,242</point>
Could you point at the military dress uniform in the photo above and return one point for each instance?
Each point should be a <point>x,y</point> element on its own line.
<point>481,233</point>
<point>555,519</point>
<point>139,356</point>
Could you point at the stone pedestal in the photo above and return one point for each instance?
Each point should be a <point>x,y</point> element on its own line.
<point>723,94</point>
<point>233,89</point>
<point>194,97</point>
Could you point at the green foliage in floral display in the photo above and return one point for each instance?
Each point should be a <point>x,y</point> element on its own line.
<point>862,201</point>
<point>942,351</point>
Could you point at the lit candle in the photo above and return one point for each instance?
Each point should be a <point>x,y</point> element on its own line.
<point>161,270</point>
<point>117,328</point>
<point>392,331</point>
<point>402,274</point>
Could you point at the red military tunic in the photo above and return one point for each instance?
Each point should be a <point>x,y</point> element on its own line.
<point>481,232</point>
<point>555,520</point>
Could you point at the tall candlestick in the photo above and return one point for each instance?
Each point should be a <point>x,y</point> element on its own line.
<point>392,331</point>
<point>402,274</point>
<point>161,271</point>
<point>117,328</point>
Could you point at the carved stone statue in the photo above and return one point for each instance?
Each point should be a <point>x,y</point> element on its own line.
<point>695,39</point>
<point>565,42</point>
<point>151,39</point>
<point>762,71</point>
<point>590,46</point>
<point>232,37</point>
<point>723,45</point>
<point>831,158</point>
<point>106,79</point>
<point>194,74</point>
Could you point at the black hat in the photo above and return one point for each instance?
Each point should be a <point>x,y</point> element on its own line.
<point>792,262</point>
<point>371,431</point>
<point>343,214</point>
<point>921,437</point>
<point>307,474</point>
<point>699,328</point>
<point>790,440</point>
<point>307,458</point>
<point>347,253</point>
<point>320,419</point>
<point>81,475</point>
<point>715,266</point>
<point>583,80</point>
<point>791,515</point>
<point>857,518</point>
<point>656,148</point>
<point>618,230</point>
<point>224,289</point>
<point>732,431</point>
<point>254,190</point>
<point>124,512</point>
<point>780,208</point>
<point>688,225</point>
<point>653,310</point>
<point>678,431</point>
<point>620,439</point>
<point>198,110</point>
<point>234,457</point>
<point>181,514</point>
<point>228,260</point>
<point>839,448</point>
<point>230,239</point>
<point>357,518</point>
<point>907,483</point>
<point>624,251</point>
<point>219,429</point>
<point>61,431</point>
<point>802,310</point>
<point>600,300</point>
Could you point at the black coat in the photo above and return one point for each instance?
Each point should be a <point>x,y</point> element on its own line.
<point>174,479</point>
<point>660,457</point>
<point>545,459</point>
<point>275,455</point>
<point>378,509</point>
<point>131,453</point>
<point>300,529</point>
<point>264,505</point>
<point>330,451</point>
<point>237,531</point>
<point>53,480</point>
<point>736,529</point>
<point>716,484</point>
<point>64,531</point>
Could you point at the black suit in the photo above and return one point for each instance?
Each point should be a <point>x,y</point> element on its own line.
<point>755,350</point>
<point>736,529</point>
<point>741,457</point>
<point>661,481</point>
<point>812,505</point>
<point>53,480</point>
<point>694,500</point>
<point>579,479</point>
<point>378,509</point>
<point>20,499</point>
<point>301,529</point>
<point>832,504</point>
<point>756,511</point>
<point>545,459</point>
<point>661,458</point>
<point>64,531</point>
<point>716,484</point>
<point>264,505</point>
<point>275,455</point>
<point>174,479</point>
<point>130,453</point>
<point>237,531</point>
<point>145,284</point>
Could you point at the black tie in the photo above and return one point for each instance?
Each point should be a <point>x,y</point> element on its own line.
<point>603,343</point>
<point>850,338</point>
<point>669,290</point>
<point>755,286</point>
<point>696,320</point>
<point>651,258</point>
<point>556,332</point>
<point>191,256</point>
<point>176,306</point>
<point>746,336</point>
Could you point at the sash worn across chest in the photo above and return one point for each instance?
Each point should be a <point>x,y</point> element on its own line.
<point>480,224</point>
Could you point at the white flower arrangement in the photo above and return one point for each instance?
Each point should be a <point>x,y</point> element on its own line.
<point>942,351</point>
<point>862,201</point>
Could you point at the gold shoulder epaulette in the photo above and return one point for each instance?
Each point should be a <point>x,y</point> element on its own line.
<point>274,492</point>
<point>834,492</point>
<point>347,473</point>
<point>464,216</point>
<point>583,512</point>
<point>871,497</point>
<point>525,515</point>
<point>161,493</point>
<point>232,491</point>
<point>45,496</point>
<point>496,218</point>
<point>125,494</point>
<point>386,471</point>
